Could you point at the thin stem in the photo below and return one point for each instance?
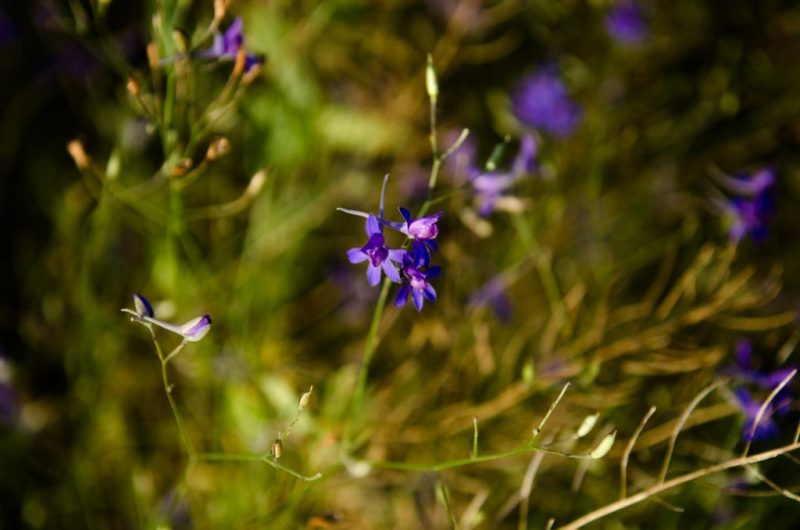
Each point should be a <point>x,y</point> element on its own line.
<point>623,465</point>
<point>187,444</point>
<point>268,459</point>
<point>474,454</point>
<point>763,409</point>
<point>681,422</point>
<point>415,466</point>
<point>369,352</point>
<point>538,429</point>
<point>677,481</point>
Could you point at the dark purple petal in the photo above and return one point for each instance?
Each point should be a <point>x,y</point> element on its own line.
<point>406,215</point>
<point>402,296</point>
<point>143,307</point>
<point>744,352</point>
<point>429,292</point>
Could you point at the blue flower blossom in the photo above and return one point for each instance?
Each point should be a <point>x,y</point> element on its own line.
<point>380,257</point>
<point>750,407</point>
<point>744,372</point>
<point>625,23</point>
<point>541,101</point>
<point>752,208</point>
<point>227,45</point>
<point>415,275</point>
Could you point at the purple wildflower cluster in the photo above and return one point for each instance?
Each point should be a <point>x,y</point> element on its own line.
<point>744,373</point>
<point>752,204</point>
<point>408,267</point>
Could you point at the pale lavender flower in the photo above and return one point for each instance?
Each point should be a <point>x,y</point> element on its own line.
<point>8,397</point>
<point>625,23</point>
<point>192,331</point>
<point>490,187</point>
<point>541,101</point>
<point>415,275</point>
<point>381,259</point>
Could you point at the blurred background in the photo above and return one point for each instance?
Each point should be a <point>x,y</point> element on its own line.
<point>632,231</point>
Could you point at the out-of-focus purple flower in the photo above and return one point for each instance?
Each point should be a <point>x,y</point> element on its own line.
<point>625,23</point>
<point>8,397</point>
<point>541,101</point>
<point>490,187</point>
<point>415,275</point>
<point>744,372</point>
<point>227,45</point>
<point>462,164</point>
<point>750,407</point>
<point>752,208</point>
<point>493,295</point>
<point>743,369</point>
<point>379,256</point>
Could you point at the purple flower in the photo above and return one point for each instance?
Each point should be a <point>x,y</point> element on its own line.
<point>752,208</point>
<point>493,295</point>
<point>379,256</point>
<point>541,101</point>
<point>490,187</point>
<point>750,407</point>
<point>625,23</point>
<point>226,46</point>
<point>415,276</point>
<point>8,397</point>
<point>422,231</point>
<point>744,371</point>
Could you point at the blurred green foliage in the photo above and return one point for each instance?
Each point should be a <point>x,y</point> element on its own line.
<point>619,269</point>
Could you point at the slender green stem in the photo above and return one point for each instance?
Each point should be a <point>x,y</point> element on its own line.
<point>369,352</point>
<point>528,448</point>
<point>268,459</point>
<point>187,444</point>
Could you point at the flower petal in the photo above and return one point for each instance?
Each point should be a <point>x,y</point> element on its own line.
<point>391,271</point>
<point>373,274</point>
<point>419,300</point>
<point>354,255</point>
<point>402,296</point>
<point>373,227</point>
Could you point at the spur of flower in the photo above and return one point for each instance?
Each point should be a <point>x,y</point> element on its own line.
<point>415,274</point>
<point>191,331</point>
<point>380,258</point>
